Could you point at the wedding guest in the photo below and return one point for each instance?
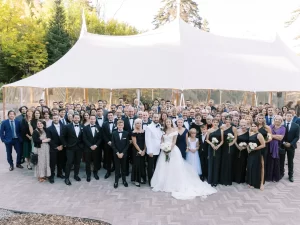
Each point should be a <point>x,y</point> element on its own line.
<point>264,112</point>
<point>290,140</point>
<point>266,132</point>
<point>70,118</point>
<point>297,108</point>
<point>197,125</point>
<point>163,118</point>
<point>209,121</point>
<point>241,154</point>
<point>22,110</point>
<point>284,109</point>
<point>203,153</point>
<point>145,120</point>
<point>273,163</point>
<point>41,148</point>
<point>192,155</point>
<point>57,151</point>
<point>92,139</point>
<point>214,152</point>
<point>62,119</point>
<point>270,116</point>
<point>138,175</point>
<point>99,117</point>
<point>120,144</point>
<point>230,136</point>
<point>71,138</point>
<point>249,121</point>
<point>11,137</point>
<point>182,138</point>
<point>26,131</point>
<point>36,116</point>
<point>47,119</point>
<point>254,166</point>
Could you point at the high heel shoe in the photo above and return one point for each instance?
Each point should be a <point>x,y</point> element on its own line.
<point>29,167</point>
<point>137,184</point>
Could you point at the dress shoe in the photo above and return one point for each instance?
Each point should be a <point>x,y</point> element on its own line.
<point>125,183</point>
<point>67,181</point>
<point>115,185</point>
<point>291,179</point>
<point>77,178</point>
<point>96,176</point>
<point>107,175</point>
<point>11,168</point>
<point>112,169</point>
<point>143,181</point>
<point>88,179</point>
<point>51,180</point>
<point>19,166</point>
<point>29,167</point>
<point>61,176</point>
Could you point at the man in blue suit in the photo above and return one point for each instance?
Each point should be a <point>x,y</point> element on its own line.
<point>11,137</point>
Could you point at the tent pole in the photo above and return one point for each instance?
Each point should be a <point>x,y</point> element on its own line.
<point>110,97</point>
<point>245,98</point>
<point>84,94</point>
<point>285,98</point>
<point>47,97</point>
<point>270,97</point>
<point>208,94</point>
<point>31,96</point>
<point>21,96</point>
<point>4,101</point>
<point>220,97</point>
<point>67,94</point>
<point>138,94</point>
<point>152,95</point>
<point>253,99</point>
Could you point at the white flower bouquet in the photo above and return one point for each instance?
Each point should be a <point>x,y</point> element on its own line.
<point>252,146</point>
<point>215,143</point>
<point>166,148</point>
<point>230,139</point>
<point>242,145</point>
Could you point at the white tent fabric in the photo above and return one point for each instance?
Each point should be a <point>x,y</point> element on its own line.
<point>176,56</point>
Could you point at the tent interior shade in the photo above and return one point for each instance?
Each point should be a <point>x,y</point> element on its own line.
<point>176,56</point>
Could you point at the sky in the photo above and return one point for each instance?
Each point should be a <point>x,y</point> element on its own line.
<point>252,19</point>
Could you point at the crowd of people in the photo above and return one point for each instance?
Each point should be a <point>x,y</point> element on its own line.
<point>222,143</point>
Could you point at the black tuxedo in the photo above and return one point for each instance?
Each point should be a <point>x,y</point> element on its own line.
<point>74,147</point>
<point>203,154</point>
<point>291,136</point>
<point>108,151</point>
<point>57,157</point>
<point>92,155</point>
<point>126,124</point>
<point>120,146</point>
<point>129,129</point>
<point>296,120</point>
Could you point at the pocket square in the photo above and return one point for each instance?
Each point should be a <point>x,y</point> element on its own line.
<point>124,138</point>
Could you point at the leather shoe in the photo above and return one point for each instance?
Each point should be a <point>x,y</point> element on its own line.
<point>107,175</point>
<point>112,169</point>
<point>11,168</point>
<point>125,183</point>
<point>88,179</point>
<point>291,179</point>
<point>96,176</point>
<point>77,178</point>
<point>61,176</point>
<point>67,181</point>
<point>51,180</point>
<point>19,166</point>
<point>115,185</point>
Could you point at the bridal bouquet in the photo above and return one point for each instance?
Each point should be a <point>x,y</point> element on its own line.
<point>230,139</point>
<point>166,148</point>
<point>242,145</point>
<point>215,143</point>
<point>252,146</point>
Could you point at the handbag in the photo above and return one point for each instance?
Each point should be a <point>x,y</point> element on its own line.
<point>34,158</point>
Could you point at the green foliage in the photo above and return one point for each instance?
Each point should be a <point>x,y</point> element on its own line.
<point>188,12</point>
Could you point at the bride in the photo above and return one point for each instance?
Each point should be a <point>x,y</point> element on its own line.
<point>176,175</point>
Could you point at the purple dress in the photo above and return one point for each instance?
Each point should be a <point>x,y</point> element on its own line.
<point>273,165</point>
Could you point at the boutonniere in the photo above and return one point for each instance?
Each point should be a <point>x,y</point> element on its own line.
<point>96,130</point>
<point>81,128</point>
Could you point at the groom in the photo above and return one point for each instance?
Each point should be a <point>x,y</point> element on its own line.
<point>153,134</point>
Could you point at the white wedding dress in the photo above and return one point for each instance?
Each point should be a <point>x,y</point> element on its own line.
<point>177,176</point>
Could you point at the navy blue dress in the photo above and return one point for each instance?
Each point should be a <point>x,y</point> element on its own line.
<point>181,143</point>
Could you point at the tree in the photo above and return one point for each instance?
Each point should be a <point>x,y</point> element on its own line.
<point>57,39</point>
<point>188,12</point>
<point>205,25</point>
<point>294,18</point>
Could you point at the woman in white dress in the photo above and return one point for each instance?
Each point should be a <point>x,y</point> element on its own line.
<point>176,175</point>
<point>192,155</point>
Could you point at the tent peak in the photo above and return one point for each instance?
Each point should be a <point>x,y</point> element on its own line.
<point>83,26</point>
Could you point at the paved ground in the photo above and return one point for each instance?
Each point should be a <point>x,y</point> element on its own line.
<point>278,204</point>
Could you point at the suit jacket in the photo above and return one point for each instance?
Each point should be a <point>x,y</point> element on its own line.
<point>120,145</point>
<point>54,136</point>
<point>127,126</point>
<point>296,120</point>
<point>7,133</point>
<point>268,120</point>
<point>90,140</point>
<point>69,137</point>
<point>203,144</point>
<point>97,122</point>
<point>153,136</point>
<point>20,117</point>
<point>106,132</point>
<point>292,136</point>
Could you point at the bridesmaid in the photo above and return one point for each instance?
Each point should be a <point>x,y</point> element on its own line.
<point>254,166</point>
<point>241,154</point>
<point>214,153</point>
<point>86,119</point>
<point>266,133</point>
<point>227,152</point>
<point>273,162</point>
<point>249,120</point>
<point>26,131</point>
<point>182,139</point>
<point>138,174</point>
<point>163,118</point>
<point>197,125</point>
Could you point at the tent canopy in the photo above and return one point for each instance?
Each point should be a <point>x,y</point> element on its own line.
<point>177,56</point>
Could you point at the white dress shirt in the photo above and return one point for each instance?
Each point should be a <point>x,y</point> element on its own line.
<point>77,129</point>
<point>131,122</point>
<point>100,121</point>
<point>57,127</point>
<point>93,130</point>
<point>111,126</point>
<point>120,134</point>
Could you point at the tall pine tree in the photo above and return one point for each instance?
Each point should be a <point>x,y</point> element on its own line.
<point>188,12</point>
<point>57,39</point>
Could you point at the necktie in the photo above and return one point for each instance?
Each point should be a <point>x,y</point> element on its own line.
<point>13,129</point>
<point>270,120</point>
<point>288,126</point>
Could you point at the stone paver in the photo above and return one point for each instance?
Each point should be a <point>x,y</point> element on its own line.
<point>236,204</point>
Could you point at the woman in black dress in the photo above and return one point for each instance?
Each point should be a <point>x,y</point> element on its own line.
<point>253,175</point>
<point>26,132</point>
<point>197,125</point>
<point>36,116</point>
<point>266,132</point>
<point>214,152</point>
<point>138,174</point>
<point>241,154</point>
<point>230,135</point>
<point>182,138</point>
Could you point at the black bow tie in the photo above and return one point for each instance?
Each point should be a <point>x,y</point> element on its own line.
<point>110,122</point>
<point>185,121</point>
<point>131,118</point>
<point>100,118</point>
<point>157,125</point>
<point>93,126</point>
<point>174,117</point>
<point>76,125</point>
<point>120,132</point>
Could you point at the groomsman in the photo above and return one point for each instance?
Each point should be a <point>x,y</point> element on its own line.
<point>62,117</point>
<point>145,121</point>
<point>57,151</point>
<point>107,129</point>
<point>129,122</point>
<point>71,137</point>
<point>120,144</point>
<point>203,153</point>
<point>270,116</point>
<point>92,139</point>
<point>11,137</point>
<point>290,144</point>
<point>99,117</point>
